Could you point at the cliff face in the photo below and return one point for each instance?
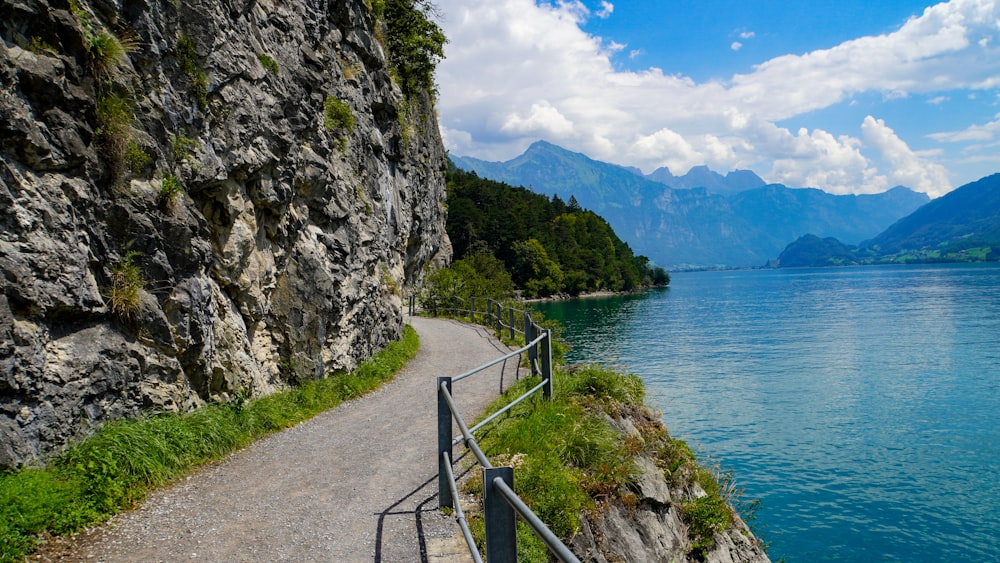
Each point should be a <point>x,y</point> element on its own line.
<point>199,199</point>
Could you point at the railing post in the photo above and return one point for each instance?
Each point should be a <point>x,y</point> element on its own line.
<point>444,444</point>
<point>529,335</point>
<point>472,310</point>
<point>547,364</point>
<point>413,298</point>
<point>511,323</point>
<point>501,527</point>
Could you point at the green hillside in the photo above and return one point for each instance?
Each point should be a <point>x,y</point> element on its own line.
<point>548,246</point>
<point>961,226</point>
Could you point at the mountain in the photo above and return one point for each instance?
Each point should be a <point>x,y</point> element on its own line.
<point>968,214</point>
<point>702,177</point>
<point>694,227</point>
<point>961,226</point>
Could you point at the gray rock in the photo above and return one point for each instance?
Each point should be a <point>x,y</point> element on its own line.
<point>280,262</point>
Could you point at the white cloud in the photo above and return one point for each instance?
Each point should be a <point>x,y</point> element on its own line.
<point>607,8</point>
<point>517,71</point>
<point>905,167</point>
<point>974,133</point>
<point>543,120</point>
<point>736,45</point>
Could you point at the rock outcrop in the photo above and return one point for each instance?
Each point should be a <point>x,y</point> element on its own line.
<point>199,199</point>
<point>648,522</point>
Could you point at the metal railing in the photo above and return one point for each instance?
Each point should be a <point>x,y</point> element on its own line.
<point>501,504</point>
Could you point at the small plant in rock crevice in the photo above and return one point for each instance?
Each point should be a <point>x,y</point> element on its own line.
<point>170,191</point>
<point>137,159</point>
<point>127,281</point>
<point>190,64</point>
<point>115,116</point>
<point>337,114</point>
<point>269,63</point>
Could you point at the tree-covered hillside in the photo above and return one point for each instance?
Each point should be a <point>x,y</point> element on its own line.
<point>549,246</point>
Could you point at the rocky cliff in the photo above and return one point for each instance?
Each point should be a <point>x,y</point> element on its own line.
<point>661,517</point>
<point>200,199</point>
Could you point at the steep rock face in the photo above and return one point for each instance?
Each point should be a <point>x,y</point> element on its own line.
<point>312,194</point>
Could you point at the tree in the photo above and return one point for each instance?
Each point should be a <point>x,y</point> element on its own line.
<point>538,274</point>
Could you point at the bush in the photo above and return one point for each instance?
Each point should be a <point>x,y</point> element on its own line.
<point>337,115</point>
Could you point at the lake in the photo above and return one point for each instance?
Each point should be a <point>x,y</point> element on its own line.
<point>860,405</point>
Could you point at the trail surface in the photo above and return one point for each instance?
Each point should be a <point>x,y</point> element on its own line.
<point>356,483</point>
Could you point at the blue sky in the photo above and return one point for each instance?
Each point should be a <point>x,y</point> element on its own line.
<point>848,96</point>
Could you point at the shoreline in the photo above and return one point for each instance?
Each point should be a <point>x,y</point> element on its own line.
<point>590,295</point>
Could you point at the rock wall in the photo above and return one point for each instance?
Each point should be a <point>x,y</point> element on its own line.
<point>252,159</point>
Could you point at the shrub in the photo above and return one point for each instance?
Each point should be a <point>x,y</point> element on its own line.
<point>268,63</point>
<point>337,114</point>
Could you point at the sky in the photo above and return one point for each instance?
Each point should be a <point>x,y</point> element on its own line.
<point>850,96</point>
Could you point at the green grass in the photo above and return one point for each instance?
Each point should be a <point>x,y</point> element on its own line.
<point>567,454</point>
<point>568,458</point>
<point>170,190</point>
<point>115,116</point>
<point>269,63</point>
<point>127,281</point>
<point>124,460</point>
<point>337,114</point>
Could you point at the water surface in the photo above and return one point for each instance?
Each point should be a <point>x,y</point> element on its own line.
<point>859,404</point>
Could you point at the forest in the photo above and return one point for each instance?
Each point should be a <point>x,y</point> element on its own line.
<point>548,246</point>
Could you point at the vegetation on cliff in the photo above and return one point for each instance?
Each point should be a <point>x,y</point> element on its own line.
<point>115,469</point>
<point>573,461</point>
<point>547,245</point>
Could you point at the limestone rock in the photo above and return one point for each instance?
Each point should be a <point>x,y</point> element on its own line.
<point>650,527</point>
<point>282,258</point>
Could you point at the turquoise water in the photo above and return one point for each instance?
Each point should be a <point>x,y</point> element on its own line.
<point>860,405</point>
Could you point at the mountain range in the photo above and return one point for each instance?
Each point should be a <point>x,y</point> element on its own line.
<point>701,219</point>
<point>960,226</point>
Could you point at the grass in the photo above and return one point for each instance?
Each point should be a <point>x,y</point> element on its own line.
<point>337,114</point>
<point>125,293</point>
<point>124,460</point>
<point>170,190</point>
<point>115,116</point>
<point>567,454</point>
<point>569,459</point>
<point>269,63</point>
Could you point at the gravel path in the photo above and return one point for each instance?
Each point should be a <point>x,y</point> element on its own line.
<point>356,483</point>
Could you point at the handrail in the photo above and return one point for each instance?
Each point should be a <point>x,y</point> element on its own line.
<point>501,503</point>
<point>557,547</point>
